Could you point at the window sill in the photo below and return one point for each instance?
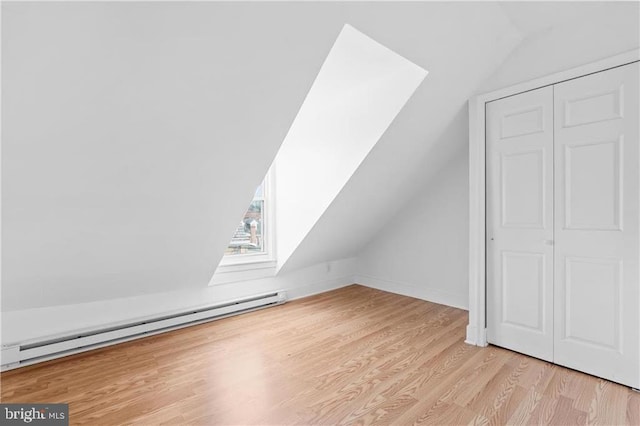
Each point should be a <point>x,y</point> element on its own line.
<point>243,270</point>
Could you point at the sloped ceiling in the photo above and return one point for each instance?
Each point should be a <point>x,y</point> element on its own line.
<point>134,134</point>
<point>465,45</point>
<point>533,17</point>
<point>473,49</point>
<point>563,35</point>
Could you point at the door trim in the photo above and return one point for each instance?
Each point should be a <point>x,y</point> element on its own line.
<point>476,329</point>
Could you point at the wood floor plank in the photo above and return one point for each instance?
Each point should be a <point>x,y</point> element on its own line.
<point>355,356</point>
<point>499,387</point>
<point>633,408</point>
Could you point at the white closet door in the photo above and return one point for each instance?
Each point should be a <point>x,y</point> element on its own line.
<point>520,223</point>
<point>597,290</point>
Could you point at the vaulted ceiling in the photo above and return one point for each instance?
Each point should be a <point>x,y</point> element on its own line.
<point>135,133</point>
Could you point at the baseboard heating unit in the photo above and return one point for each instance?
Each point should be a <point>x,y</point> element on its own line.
<point>31,352</point>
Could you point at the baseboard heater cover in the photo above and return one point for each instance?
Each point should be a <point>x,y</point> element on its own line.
<point>19,355</point>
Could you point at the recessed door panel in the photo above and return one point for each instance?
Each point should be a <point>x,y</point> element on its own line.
<point>592,301</point>
<point>523,284</point>
<point>522,185</point>
<point>593,181</point>
<point>522,122</point>
<point>594,107</point>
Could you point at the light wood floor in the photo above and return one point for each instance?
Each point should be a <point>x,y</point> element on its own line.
<point>351,356</point>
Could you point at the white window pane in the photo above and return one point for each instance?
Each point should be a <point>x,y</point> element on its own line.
<point>259,192</point>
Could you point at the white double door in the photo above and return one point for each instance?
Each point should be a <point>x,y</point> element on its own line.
<point>563,218</point>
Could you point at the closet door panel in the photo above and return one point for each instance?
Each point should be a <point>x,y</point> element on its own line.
<point>597,290</point>
<point>520,222</point>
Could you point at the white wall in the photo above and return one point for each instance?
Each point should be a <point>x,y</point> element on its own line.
<point>126,135</point>
<point>556,36</point>
<point>423,250</point>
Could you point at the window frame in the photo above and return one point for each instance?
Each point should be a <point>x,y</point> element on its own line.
<point>267,258</point>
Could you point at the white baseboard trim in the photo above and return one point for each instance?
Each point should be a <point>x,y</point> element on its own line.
<point>471,335</point>
<point>405,289</point>
<point>476,337</point>
<point>320,287</point>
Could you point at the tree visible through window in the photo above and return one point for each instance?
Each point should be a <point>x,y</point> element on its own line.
<point>249,236</point>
